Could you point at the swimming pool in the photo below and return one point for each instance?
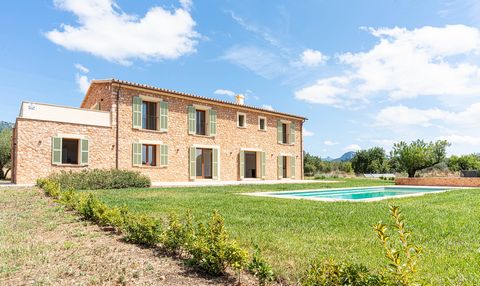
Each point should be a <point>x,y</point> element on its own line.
<point>354,194</point>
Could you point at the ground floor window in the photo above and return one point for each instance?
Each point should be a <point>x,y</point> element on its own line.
<point>70,151</point>
<point>149,155</point>
<point>250,164</point>
<point>286,166</point>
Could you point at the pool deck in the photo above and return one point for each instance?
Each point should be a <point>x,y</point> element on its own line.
<point>276,193</point>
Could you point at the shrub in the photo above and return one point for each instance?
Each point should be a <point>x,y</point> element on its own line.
<point>51,188</point>
<point>332,273</point>
<point>402,255</point>
<point>141,229</point>
<point>100,179</point>
<point>213,251</point>
<point>179,234</point>
<point>260,268</point>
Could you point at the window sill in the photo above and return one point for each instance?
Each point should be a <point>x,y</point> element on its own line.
<point>148,130</point>
<point>263,130</point>
<point>286,144</point>
<point>203,136</point>
<point>71,165</point>
<point>242,127</point>
<point>149,167</point>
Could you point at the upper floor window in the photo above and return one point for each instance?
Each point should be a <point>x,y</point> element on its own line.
<point>285,132</point>
<point>149,115</point>
<point>262,123</point>
<point>200,122</point>
<point>241,120</point>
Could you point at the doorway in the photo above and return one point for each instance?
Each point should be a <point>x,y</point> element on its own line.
<point>284,166</point>
<point>203,163</point>
<point>250,164</point>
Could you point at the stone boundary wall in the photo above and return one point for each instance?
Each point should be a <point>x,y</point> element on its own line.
<point>440,181</point>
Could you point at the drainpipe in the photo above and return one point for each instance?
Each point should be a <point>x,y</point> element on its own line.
<point>116,131</point>
<point>302,151</point>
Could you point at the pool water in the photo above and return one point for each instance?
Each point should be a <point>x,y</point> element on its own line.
<point>366,194</point>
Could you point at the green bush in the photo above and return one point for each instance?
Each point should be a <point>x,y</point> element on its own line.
<point>332,274</point>
<point>141,229</point>
<point>51,188</point>
<point>100,179</point>
<point>179,234</point>
<point>213,251</point>
<point>260,268</point>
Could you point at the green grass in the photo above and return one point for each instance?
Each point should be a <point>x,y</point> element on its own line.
<point>292,232</point>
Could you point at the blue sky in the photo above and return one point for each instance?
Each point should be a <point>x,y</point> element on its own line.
<point>365,73</point>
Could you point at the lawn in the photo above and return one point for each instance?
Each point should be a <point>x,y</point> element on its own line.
<point>292,232</point>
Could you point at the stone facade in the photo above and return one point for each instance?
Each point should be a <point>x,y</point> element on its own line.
<point>440,181</point>
<point>34,137</point>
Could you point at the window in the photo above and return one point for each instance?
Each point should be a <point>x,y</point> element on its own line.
<point>149,155</point>
<point>200,122</point>
<point>70,151</point>
<point>284,133</point>
<point>241,120</point>
<point>262,123</point>
<point>203,163</point>
<point>149,115</point>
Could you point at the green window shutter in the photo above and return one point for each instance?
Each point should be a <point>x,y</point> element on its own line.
<point>279,131</point>
<point>137,154</point>
<point>84,151</point>
<point>215,164</point>
<point>292,167</point>
<point>292,133</point>
<point>56,150</point>
<point>280,167</point>
<point>242,164</point>
<point>192,124</point>
<point>163,116</point>
<point>163,155</point>
<point>213,122</point>
<point>193,162</point>
<point>137,112</point>
<point>262,165</point>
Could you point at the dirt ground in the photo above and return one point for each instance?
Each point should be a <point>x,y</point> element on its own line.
<point>41,244</point>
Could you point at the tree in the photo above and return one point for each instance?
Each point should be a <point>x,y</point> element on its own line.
<point>418,155</point>
<point>311,163</point>
<point>371,161</point>
<point>5,152</point>
<point>464,162</point>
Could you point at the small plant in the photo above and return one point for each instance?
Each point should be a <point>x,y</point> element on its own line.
<point>330,273</point>
<point>260,268</point>
<point>141,229</point>
<point>401,255</point>
<point>51,188</point>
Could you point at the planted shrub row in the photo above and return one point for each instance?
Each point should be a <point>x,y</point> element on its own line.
<point>96,179</point>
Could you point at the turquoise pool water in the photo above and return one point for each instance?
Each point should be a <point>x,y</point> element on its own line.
<point>371,193</point>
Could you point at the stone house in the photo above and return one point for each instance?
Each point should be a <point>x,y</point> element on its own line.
<point>169,136</point>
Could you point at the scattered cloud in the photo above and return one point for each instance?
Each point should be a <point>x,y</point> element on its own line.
<point>307,133</point>
<point>352,147</point>
<point>186,4</point>
<point>268,107</point>
<point>461,139</point>
<point>330,143</point>
<point>258,60</point>
<point>312,58</point>
<point>82,68</point>
<point>105,31</point>
<point>83,82</point>
<point>404,64</point>
<point>224,92</point>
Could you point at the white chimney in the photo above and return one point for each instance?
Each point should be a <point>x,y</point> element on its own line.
<point>240,99</point>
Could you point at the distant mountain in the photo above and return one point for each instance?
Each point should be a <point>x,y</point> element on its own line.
<point>4,125</point>
<point>344,158</point>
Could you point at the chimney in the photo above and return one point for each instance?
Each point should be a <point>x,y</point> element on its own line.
<point>240,99</point>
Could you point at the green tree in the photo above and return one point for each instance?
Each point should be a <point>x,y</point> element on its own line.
<point>418,155</point>
<point>371,161</point>
<point>5,152</point>
<point>311,164</point>
<point>464,162</point>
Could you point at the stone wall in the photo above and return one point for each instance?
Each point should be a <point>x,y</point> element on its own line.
<point>440,181</point>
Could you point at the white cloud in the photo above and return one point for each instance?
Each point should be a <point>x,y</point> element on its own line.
<point>260,61</point>
<point>352,147</point>
<point>82,68</point>
<point>83,82</point>
<point>311,57</point>
<point>307,133</point>
<point>428,61</point>
<point>330,143</point>
<point>461,139</point>
<point>107,32</point>
<point>268,107</point>
<point>186,4</point>
<point>224,92</point>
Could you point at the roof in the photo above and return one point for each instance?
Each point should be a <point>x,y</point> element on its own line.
<point>193,96</point>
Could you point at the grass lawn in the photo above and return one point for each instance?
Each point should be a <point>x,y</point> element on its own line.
<point>292,232</point>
